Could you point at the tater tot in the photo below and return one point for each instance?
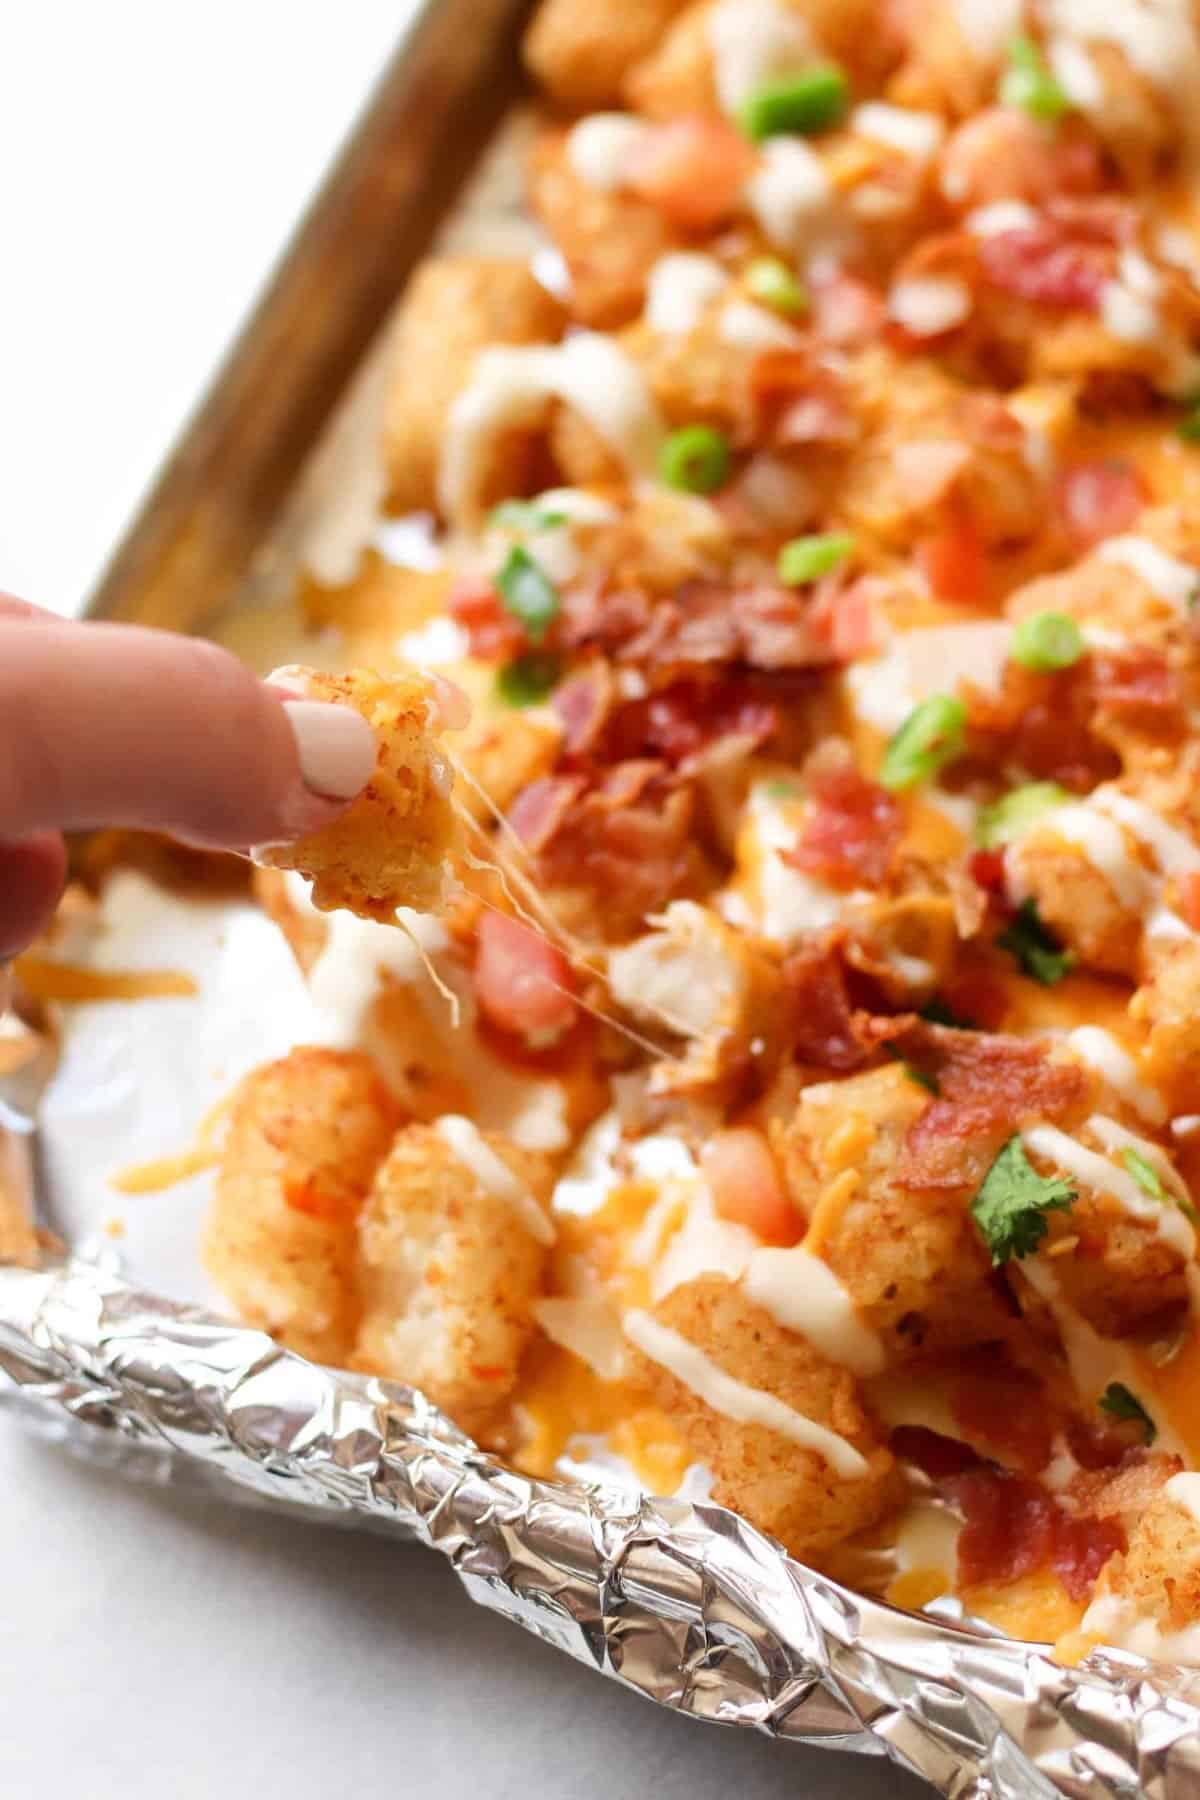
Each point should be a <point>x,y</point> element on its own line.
<point>579,50</point>
<point>780,1486</point>
<point>305,1137</point>
<point>455,307</point>
<point>609,239</point>
<point>451,1256</point>
<point>389,847</point>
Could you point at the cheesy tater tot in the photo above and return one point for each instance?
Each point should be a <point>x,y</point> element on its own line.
<point>781,1486</point>
<point>305,1136</point>
<point>452,1251</point>
<point>389,848</point>
<point>579,50</point>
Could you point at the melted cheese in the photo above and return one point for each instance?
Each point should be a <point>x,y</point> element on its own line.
<point>1184,1490</point>
<point>1103,844</point>
<point>754,42</point>
<point>751,327</point>
<point>792,198</point>
<point>802,1293</point>
<point>679,289</point>
<point>1113,1620</point>
<point>509,390</point>
<point>733,1399</point>
<point>933,659</point>
<point>916,134</point>
<point>493,1174</point>
<point>927,305</point>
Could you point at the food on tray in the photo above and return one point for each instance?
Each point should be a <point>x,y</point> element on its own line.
<point>818,1123</point>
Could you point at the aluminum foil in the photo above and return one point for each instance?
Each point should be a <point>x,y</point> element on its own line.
<point>683,1602</point>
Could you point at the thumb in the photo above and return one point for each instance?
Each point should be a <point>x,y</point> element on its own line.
<point>115,725</point>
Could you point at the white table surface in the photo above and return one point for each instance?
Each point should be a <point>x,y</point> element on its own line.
<point>155,156</point>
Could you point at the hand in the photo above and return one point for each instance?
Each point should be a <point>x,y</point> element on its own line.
<point>115,725</point>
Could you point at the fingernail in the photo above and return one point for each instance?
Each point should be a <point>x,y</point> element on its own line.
<point>336,747</point>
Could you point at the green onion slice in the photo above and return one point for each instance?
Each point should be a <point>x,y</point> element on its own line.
<point>772,283</point>
<point>527,680</point>
<point>1012,815</point>
<point>528,592</point>
<point>808,558</point>
<point>1029,84</point>
<point>933,734</point>
<point>695,459</point>
<point>808,102</point>
<point>1046,641</point>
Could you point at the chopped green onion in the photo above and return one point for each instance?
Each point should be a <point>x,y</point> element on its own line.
<point>808,558</point>
<point>1013,814</point>
<point>695,459</point>
<point>1046,641</point>
<point>808,102</point>
<point>779,789</point>
<point>525,515</point>
<point>528,592</point>
<point>1039,954</point>
<point>932,735</point>
<point>527,680</point>
<point>1143,1172</point>
<point>1029,84</point>
<point>1119,1403</point>
<point>772,283</point>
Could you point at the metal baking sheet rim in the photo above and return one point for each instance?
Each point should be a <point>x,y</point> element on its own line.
<point>684,1603</point>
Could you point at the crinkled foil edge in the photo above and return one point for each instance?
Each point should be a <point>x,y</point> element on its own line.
<point>683,1602</point>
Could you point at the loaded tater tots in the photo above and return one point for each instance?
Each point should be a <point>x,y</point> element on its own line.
<point>821,560</point>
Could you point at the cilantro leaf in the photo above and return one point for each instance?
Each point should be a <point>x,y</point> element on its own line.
<point>1119,1403</point>
<point>1038,953</point>
<point>1013,1200</point>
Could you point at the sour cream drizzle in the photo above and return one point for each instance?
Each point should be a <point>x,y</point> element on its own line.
<point>1101,1051</point>
<point>802,1293</point>
<point>509,390</point>
<point>1171,579</point>
<point>734,1399</point>
<point>493,1174</point>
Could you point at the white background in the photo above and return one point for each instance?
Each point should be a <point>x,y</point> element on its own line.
<point>154,157</point>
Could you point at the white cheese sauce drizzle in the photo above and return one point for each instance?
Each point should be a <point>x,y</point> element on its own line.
<point>734,1399</point>
<point>679,289</point>
<point>753,42</point>
<point>1101,1051</point>
<point>493,1174</point>
<point>802,1293</point>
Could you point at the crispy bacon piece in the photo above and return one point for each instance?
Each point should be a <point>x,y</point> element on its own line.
<point>680,721</point>
<point>523,984</point>
<point>1005,1408</point>
<point>935,1455</point>
<point>830,1031</point>
<point>583,704</point>
<point>1043,724</point>
<point>1081,1548</point>
<point>540,809</point>
<point>1044,264</point>
<point>852,828</point>
<point>1098,499</point>
<point>1009,1525</point>
<point>989,1085</point>
<point>764,626</point>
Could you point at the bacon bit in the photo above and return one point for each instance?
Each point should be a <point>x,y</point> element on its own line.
<point>842,615</point>
<point>597,617</point>
<point>792,398</point>
<point>1006,1408</point>
<point>1043,723</point>
<point>493,633</point>
<point>539,810</point>
<point>745,1185</point>
<point>852,828</point>
<point>680,721</point>
<point>830,1031</point>
<point>583,704</point>
<point>765,627</point>
<point>1096,1447</point>
<point>1137,679</point>
<point>1042,264</point>
<point>935,1455</point>
<point>847,312</point>
<point>986,868</point>
<point>1097,499</point>
<point>692,170</point>
<point>988,1087</point>
<point>954,563</point>
<point>1009,1529</point>
<point>523,984</point>
<point>978,993</point>
<point>1081,1549</point>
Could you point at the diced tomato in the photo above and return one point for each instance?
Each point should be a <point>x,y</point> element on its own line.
<point>954,563</point>
<point>746,1187</point>
<point>1100,498</point>
<point>842,615</point>
<point>523,984</point>
<point>494,634</point>
<point>848,312</point>
<point>1042,264</point>
<point>692,169</point>
<point>986,867</point>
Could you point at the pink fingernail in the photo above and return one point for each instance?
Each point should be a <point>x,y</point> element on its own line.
<point>336,747</point>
